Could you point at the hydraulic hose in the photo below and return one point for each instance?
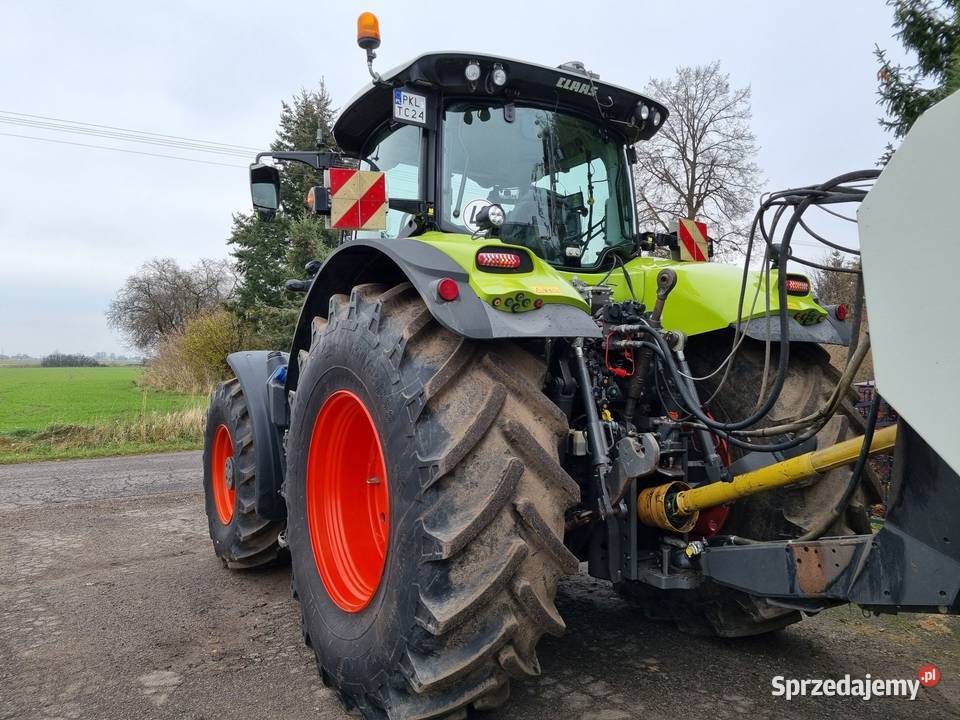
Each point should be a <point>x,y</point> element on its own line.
<point>692,405</point>
<point>800,199</point>
<point>666,281</point>
<point>829,408</point>
<point>832,191</point>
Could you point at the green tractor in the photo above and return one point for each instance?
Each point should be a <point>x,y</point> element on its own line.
<point>491,383</point>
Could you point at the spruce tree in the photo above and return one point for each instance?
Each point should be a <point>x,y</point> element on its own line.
<point>930,29</point>
<point>307,113</point>
<point>260,250</point>
<point>270,252</point>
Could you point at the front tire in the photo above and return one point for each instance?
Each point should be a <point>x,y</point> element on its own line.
<point>241,538</point>
<point>474,508</point>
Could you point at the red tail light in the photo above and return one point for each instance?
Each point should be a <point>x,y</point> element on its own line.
<point>841,312</point>
<point>447,290</point>
<point>500,260</point>
<point>798,286</point>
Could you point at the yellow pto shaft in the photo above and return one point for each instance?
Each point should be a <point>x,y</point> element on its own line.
<point>675,507</point>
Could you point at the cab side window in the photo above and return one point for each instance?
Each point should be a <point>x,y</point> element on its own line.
<point>397,154</point>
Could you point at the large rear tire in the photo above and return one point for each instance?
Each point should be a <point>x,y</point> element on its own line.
<point>788,512</point>
<point>471,505</point>
<point>241,538</point>
<point>776,515</point>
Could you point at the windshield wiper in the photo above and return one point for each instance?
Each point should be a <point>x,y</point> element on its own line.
<point>463,184</point>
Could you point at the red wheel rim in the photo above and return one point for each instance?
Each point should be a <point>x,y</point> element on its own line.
<point>221,474</point>
<point>348,501</point>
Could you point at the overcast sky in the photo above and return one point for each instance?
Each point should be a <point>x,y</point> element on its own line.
<point>74,221</point>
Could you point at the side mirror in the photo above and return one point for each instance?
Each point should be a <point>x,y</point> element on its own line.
<point>265,190</point>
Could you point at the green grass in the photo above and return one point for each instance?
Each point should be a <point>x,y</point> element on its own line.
<point>56,413</point>
<point>12,453</point>
<point>35,398</point>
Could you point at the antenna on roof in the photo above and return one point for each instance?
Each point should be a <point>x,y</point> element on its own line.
<point>577,66</point>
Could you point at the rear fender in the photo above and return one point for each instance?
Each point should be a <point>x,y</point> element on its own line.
<point>828,331</point>
<point>402,260</point>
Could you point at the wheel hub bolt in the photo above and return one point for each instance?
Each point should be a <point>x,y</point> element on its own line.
<point>228,472</point>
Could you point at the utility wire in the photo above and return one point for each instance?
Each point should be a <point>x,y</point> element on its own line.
<point>123,150</point>
<point>12,117</point>
<point>109,135</point>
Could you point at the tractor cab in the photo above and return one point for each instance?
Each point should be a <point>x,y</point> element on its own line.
<point>484,146</point>
<point>476,144</point>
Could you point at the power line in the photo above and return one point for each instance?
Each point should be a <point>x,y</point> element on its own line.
<point>123,150</point>
<point>193,147</point>
<point>123,137</point>
<point>135,133</point>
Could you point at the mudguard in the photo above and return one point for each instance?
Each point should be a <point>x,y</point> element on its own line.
<point>399,260</point>
<point>253,369</point>
<point>828,331</point>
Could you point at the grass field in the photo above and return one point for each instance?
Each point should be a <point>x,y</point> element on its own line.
<point>48,413</point>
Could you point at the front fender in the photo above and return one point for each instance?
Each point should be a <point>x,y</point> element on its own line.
<point>401,260</point>
<point>254,368</point>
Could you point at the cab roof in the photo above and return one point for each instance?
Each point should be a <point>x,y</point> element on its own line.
<point>568,87</point>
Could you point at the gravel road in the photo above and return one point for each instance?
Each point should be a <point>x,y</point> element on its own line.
<point>112,605</point>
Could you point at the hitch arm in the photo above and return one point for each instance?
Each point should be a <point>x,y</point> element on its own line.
<point>911,564</point>
<point>600,459</point>
<point>316,160</point>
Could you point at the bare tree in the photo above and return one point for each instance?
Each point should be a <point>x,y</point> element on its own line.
<point>161,297</point>
<point>701,163</point>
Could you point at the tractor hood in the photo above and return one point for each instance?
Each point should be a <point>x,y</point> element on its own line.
<point>569,87</point>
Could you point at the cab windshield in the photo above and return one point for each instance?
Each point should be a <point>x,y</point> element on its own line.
<point>561,181</point>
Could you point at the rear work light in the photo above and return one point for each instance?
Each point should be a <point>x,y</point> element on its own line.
<point>499,260</point>
<point>798,286</point>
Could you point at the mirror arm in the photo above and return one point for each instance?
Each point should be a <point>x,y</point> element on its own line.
<point>318,161</point>
<point>413,207</point>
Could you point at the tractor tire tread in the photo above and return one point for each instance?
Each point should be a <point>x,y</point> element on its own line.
<point>253,541</point>
<point>494,494</point>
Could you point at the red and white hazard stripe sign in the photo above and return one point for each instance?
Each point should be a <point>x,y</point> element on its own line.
<point>693,240</point>
<point>358,199</point>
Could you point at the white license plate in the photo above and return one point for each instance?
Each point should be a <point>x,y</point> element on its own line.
<point>409,107</point>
